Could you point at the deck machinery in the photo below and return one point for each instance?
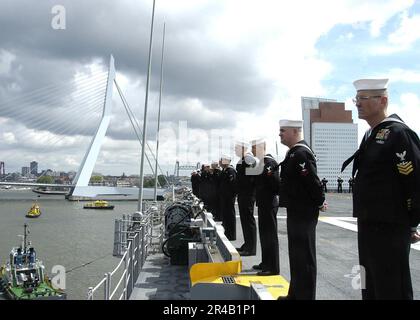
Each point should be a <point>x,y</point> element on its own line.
<point>194,238</point>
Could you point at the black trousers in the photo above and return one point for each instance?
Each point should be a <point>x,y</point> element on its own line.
<point>267,225</point>
<point>301,234</point>
<point>249,227</point>
<point>384,250</point>
<point>214,208</point>
<point>228,215</point>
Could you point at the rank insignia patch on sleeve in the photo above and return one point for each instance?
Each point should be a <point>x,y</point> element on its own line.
<point>409,204</point>
<point>405,168</point>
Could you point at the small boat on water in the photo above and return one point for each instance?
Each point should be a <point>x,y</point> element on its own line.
<point>48,191</point>
<point>34,211</point>
<point>23,276</point>
<point>98,204</point>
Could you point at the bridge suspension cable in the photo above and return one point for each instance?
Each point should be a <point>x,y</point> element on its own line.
<point>63,115</point>
<point>43,111</point>
<point>137,129</point>
<point>127,108</point>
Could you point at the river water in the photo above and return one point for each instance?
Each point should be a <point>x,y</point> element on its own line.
<point>65,234</point>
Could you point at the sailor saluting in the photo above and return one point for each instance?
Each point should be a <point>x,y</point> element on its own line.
<point>266,185</point>
<point>386,194</point>
<point>227,191</point>
<point>245,186</point>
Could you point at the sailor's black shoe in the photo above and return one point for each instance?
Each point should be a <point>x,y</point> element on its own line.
<point>257,267</point>
<point>246,253</point>
<point>266,273</point>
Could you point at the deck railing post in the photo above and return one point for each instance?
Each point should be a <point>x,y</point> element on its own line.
<point>116,250</point>
<point>106,287</point>
<point>120,236</point>
<point>127,256</point>
<point>137,254</point>
<point>143,244</point>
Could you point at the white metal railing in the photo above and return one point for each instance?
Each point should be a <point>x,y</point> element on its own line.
<point>133,241</point>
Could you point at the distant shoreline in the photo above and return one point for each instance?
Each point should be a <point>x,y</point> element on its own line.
<point>15,189</point>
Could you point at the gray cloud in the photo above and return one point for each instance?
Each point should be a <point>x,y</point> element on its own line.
<point>194,65</point>
<point>205,84</point>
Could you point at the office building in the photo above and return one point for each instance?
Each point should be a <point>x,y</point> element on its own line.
<point>34,167</point>
<point>332,135</point>
<point>25,171</point>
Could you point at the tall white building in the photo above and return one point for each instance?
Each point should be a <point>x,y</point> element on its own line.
<point>309,103</point>
<point>332,135</point>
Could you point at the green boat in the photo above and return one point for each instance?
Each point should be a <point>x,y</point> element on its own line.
<point>23,276</point>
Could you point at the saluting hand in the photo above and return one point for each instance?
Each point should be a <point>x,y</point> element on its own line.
<point>324,206</point>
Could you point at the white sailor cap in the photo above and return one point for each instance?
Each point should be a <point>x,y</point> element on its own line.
<point>257,141</point>
<point>225,159</point>
<point>291,123</point>
<point>242,143</point>
<point>371,84</point>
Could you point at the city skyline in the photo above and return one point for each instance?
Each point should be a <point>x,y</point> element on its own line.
<point>58,172</point>
<point>232,69</point>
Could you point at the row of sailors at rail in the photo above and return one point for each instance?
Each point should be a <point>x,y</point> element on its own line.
<point>218,184</point>
<point>207,184</point>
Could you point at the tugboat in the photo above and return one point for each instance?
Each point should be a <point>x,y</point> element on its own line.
<point>23,277</point>
<point>98,204</point>
<point>34,211</point>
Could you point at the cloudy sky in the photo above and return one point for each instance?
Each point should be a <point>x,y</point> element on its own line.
<point>232,69</point>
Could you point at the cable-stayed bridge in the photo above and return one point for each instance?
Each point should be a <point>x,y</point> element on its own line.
<point>90,102</point>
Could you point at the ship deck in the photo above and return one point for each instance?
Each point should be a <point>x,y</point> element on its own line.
<point>337,254</point>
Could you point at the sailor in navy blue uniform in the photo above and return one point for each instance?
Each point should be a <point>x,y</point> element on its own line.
<point>227,194</point>
<point>195,182</point>
<point>351,185</point>
<point>301,192</point>
<point>324,184</point>
<point>206,190</point>
<point>339,185</point>
<point>386,194</point>
<point>216,171</point>
<point>245,187</point>
<point>267,184</point>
